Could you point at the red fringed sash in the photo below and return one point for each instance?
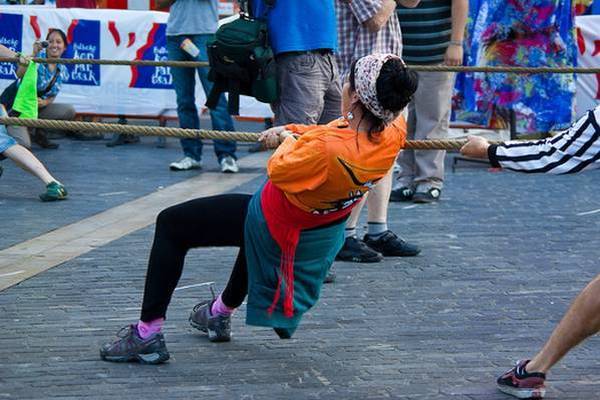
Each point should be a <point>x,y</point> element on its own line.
<point>285,222</point>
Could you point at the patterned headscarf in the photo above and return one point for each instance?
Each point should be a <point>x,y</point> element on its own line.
<point>366,72</point>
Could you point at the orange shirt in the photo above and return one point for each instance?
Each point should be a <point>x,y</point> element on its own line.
<point>330,167</point>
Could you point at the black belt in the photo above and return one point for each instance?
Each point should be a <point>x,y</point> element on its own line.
<point>299,53</point>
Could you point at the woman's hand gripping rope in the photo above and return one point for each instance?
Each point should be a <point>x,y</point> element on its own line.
<point>273,137</point>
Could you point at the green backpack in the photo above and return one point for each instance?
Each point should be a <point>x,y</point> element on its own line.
<point>241,62</point>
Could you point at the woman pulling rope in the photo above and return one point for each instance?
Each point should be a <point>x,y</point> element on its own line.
<point>288,232</point>
<point>9,148</point>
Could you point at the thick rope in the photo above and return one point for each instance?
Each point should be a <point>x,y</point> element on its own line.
<point>141,130</point>
<point>423,68</point>
<point>138,130</point>
<point>148,63</point>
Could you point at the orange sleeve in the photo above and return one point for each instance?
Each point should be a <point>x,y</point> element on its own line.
<point>298,165</point>
<point>399,127</point>
<point>299,129</point>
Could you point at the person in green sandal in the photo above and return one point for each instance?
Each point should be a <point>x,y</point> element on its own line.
<point>23,157</point>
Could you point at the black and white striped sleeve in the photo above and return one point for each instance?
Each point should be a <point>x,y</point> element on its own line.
<point>574,150</point>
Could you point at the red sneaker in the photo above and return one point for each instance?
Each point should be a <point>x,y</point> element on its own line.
<point>521,384</point>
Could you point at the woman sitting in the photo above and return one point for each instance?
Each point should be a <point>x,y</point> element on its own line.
<point>288,232</point>
<point>50,78</point>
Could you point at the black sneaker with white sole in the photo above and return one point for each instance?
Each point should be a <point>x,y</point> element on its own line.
<point>430,196</point>
<point>355,250</point>
<point>390,245</point>
<point>403,193</point>
<point>131,347</point>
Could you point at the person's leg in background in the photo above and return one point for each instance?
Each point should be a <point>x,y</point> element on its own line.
<point>58,111</point>
<point>403,188</point>
<point>184,82</point>
<point>432,110</point>
<point>582,320</point>
<point>302,88</point>
<point>379,241</point>
<point>332,102</point>
<point>21,135</point>
<point>220,118</point>
<point>354,249</point>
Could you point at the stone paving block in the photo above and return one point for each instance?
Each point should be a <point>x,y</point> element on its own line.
<point>503,255</point>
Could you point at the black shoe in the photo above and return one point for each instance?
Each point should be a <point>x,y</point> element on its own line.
<point>430,196</point>
<point>1,170</point>
<point>390,245</point>
<point>86,136</point>
<point>284,333</point>
<point>119,139</point>
<point>355,250</point>
<point>402,194</point>
<point>42,141</point>
<point>131,347</point>
<point>330,277</point>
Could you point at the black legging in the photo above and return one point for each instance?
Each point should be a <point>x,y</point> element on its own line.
<point>205,222</point>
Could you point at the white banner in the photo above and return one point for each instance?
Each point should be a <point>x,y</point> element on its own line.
<point>128,35</point>
<point>106,34</point>
<point>588,43</point>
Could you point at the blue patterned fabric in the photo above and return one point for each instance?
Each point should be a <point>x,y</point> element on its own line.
<point>45,76</point>
<point>528,33</point>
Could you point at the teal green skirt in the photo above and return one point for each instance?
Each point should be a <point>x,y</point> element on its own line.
<point>315,254</point>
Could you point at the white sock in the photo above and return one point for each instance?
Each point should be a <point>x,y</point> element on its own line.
<point>376,228</point>
<point>349,232</point>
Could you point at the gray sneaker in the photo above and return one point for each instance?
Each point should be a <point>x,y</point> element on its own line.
<point>229,165</point>
<point>131,347</point>
<point>218,327</point>
<point>185,164</point>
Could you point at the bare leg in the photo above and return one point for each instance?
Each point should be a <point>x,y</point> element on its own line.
<point>355,214</point>
<point>26,160</point>
<point>581,321</point>
<point>379,198</point>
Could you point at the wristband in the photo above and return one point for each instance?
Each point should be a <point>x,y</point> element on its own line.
<point>455,43</point>
<point>20,58</point>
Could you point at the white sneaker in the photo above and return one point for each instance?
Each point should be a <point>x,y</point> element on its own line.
<point>186,163</point>
<point>229,165</point>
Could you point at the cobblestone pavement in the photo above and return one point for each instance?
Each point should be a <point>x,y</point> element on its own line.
<point>503,254</point>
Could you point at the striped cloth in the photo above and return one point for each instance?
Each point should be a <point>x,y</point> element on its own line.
<point>574,150</point>
<point>426,31</point>
<point>355,40</point>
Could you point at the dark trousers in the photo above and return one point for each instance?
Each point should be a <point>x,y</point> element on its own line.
<point>205,222</point>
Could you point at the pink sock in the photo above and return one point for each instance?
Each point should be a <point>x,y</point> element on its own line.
<point>219,308</point>
<point>147,329</point>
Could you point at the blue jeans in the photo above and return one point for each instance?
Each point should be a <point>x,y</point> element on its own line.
<point>6,141</point>
<point>184,80</point>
